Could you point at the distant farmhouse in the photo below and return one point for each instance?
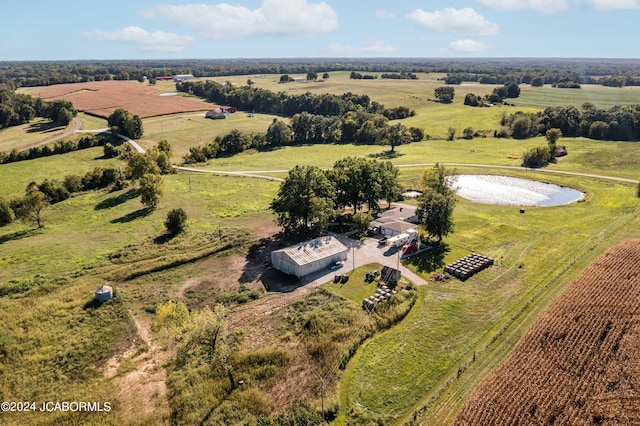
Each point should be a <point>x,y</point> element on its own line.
<point>182,77</point>
<point>215,115</point>
<point>220,112</point>
<point>309,257</point>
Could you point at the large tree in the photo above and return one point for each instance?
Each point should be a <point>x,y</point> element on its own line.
<point>445,94</point>
<point>206,334</point>
<point>435,214</point>
<point>398,134</point>
<point>33,205</point>
<point>305,200</point>
<point>150,189</point>
<point>279,133</point>
<point>435,206</point>
<point>126,123</point>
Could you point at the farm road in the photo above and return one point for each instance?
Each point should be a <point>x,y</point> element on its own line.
<point>75,127</point>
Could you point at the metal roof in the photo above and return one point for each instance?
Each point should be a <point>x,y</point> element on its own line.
<point>313,250</point>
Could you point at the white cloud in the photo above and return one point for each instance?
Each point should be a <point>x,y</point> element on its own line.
<point>157,41</point>
<point>545,6</point>
<point>467,46</point>
<point>614,4</point>
<point>371,47</point>
<point>274,18</point>
<point>385,15</point>
<point>461,21</point>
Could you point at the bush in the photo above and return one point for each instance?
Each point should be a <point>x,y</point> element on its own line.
<point>538,156</point>
<point>176,221</point>
<point>6,213</point>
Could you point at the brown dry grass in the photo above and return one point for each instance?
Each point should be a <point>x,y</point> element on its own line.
<point>101,98</point>
<point>578,364</point>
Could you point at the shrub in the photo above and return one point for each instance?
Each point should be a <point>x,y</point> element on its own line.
<point>538,156</point>
<point>6,213</point>
<point>176,221</point>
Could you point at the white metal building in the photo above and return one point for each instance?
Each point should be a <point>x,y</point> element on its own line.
<point>308,257</point>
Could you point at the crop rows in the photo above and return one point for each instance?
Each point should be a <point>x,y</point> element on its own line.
<point>101,98</point>
<point>578,364</point>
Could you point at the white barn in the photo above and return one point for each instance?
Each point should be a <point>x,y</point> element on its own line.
<point>309,257</point>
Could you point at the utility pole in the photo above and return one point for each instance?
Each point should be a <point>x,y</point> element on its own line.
<point>353,256</point>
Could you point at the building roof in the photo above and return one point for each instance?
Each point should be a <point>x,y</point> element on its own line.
<point>393,224</point>
<point>399,213</point>
<point>411,194</point>
<point>314,250</point>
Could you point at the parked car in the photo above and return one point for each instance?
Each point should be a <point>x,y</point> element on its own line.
<point>336,265</point>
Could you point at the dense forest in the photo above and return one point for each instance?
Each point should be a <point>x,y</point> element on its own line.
<point>609,72</point>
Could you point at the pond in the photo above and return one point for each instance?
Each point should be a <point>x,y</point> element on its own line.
<point>506,190</point>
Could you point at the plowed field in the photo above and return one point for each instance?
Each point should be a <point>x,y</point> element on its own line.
<point>579,364</point>
<point>101,98</point>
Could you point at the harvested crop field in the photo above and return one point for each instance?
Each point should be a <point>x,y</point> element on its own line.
<point>101,98</point>
<point>579,362</point>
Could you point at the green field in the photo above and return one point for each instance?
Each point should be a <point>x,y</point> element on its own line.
<point>16,176</point>
<point>54,344</point>
<point>37,131</point>
<point>602,97</point>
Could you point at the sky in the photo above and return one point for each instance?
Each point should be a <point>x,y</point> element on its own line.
<point>143,29</point>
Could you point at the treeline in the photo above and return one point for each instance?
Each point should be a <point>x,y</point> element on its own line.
<point>521,70</point>
<point>617,123</point>
<point>17,109</point>
<point>560,79</point>
<point>356,127</point>
<point>60,147</point>
<point>280,103</point>
<point>400,76</point>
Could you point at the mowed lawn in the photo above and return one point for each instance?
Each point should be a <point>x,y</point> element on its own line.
<point>37,131</point>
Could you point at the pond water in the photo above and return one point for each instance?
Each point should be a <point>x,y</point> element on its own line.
<point>491,189</point>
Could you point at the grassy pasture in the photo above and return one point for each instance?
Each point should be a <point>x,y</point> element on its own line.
<point>602,97</point>
<point>38,130</point>
<point>86,228</point>
<point>187,130</point>
<point>14,177</point>
<point>618,159</point>
<point>391,93</point>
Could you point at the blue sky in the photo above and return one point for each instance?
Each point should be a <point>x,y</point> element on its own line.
<point>142,29</point>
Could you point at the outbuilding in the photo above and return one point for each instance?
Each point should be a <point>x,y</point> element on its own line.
<point>104,293</point>
<point>308,257</point>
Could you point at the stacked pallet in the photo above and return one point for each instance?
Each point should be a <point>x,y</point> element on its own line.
<point>468,266</point>
<point>382,293</point>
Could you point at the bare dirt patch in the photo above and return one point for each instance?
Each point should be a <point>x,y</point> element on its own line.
<point>139,376</point>
<point>101,98</point>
